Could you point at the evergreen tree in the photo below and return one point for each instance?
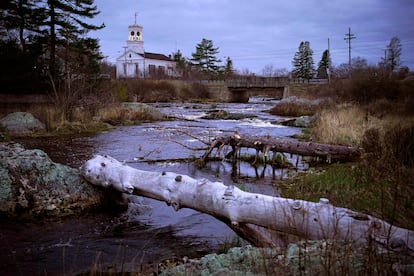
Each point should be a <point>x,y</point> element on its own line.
<point>303,62</point>
<point>54,29</point>
<point>205,58</point>
<point>181,63</point>
<point>393,53</point>
<point>67,28</point>
<point>324,65</point>
<point>20,20</point>
<point>21,47</point>
<point>228,68</point>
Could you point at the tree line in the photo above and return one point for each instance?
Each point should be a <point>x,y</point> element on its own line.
<point>303,64</point>
<point>45,44</point>
<point>205,64</point>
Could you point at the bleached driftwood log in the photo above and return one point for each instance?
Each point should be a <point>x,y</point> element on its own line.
<point>269,144</point>
<point>305,219</point>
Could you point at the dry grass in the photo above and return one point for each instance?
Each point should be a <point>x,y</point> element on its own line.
<point>117,115</point>
<point>86,120</point>
<point>346,124</point>
<point>296,107</point>
<point>342,125</point>
<point>164,90</point>
<point>381,183</point>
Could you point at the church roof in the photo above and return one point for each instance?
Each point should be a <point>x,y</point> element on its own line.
<point>135,25</point>
<point>156,56</point>
<point>146,55</point>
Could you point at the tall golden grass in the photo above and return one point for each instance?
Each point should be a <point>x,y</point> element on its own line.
<point>346,124</point>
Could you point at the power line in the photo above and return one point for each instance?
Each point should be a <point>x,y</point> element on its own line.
<point>348,38</point>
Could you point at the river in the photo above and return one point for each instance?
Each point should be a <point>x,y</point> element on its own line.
<point>149,231</point>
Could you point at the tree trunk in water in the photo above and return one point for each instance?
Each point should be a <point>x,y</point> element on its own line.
<point>245,211</point>
<point>266,145</point>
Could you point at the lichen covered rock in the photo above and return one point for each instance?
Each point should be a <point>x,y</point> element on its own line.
<point>21,123</point>
<point>32,185</point>
<point>302,258</point>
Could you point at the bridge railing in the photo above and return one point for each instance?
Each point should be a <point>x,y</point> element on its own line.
<point>258,82</point>
<point>263,82</point>
<point>310,81</point>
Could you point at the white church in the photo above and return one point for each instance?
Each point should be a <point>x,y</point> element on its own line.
<point>136,63</point>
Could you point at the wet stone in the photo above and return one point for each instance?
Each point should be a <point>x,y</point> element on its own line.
<point>32,185</point>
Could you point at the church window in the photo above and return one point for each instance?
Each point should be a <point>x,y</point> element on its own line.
<point>151,69</point>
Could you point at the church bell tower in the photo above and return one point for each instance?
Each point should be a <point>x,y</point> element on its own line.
<point>135,41</point>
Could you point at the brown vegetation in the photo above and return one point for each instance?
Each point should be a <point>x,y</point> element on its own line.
<point>93,110</point>
<point>372,111</point>
<point>164,91</point>
<point>298,107</point>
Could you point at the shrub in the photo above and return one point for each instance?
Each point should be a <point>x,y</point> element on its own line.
<point>150,90</point>
<point>371,84</point>
<point>120,92</point>
<point>399,146</point>
<point>390,166</point>
<point>295,107</point>
<point>118,115</point>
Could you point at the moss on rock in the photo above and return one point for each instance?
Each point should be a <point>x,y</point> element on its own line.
<point>32,185</point>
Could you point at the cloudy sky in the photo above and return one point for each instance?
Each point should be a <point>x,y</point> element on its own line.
<point>255,34</point>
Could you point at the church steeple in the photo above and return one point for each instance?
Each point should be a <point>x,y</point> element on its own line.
<point>135,41</point>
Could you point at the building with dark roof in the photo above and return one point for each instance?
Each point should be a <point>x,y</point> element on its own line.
<point>136,63</point>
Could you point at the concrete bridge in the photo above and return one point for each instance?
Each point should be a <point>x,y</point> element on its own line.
<point>241,89</point>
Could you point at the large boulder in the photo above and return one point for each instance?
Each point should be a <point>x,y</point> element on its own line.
<point>324,257</point>
<point>32,186</point>
<point>302,121</point>
<point>22,123</point>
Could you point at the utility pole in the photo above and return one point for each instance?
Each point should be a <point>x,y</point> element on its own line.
<point>328,69</point>
<point>348,38</point>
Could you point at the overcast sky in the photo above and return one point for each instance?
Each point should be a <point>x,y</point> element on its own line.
<point>258,33</point>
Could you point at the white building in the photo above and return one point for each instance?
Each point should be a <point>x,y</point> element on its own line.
<point>136,63</point>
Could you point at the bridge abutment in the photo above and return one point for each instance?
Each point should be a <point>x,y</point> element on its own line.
<point>240,90</point>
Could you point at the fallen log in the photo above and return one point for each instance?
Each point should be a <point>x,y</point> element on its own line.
<point>244,211</point>
<point>265,145</point>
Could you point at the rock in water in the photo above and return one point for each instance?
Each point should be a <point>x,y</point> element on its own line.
<point>32,185</point>
<point>21,123</point>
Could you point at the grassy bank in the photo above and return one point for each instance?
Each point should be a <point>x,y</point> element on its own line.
<point>383,126</point>
<point>103,107</point>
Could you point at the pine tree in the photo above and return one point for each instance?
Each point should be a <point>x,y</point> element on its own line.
<point>228,68</point>
<point>181,63</point>
<point>303,62</point>
<point>21,46</point>
<point>324,65</point>
<point>66,27</point>
<point>205,58</point>
<point>393,53</point>
<point>21,20</point>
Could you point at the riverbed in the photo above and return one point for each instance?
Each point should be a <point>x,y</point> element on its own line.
<point>149,231</point>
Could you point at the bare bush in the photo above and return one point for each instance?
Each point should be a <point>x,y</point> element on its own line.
<point>390,165</point>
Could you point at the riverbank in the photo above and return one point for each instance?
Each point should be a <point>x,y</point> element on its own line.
<point>385,175</point>
<point>382,125</point>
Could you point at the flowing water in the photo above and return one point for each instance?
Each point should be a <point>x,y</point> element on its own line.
<point>149,231</point>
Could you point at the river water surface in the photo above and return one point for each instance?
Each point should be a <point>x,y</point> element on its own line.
<point>149,231</point>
